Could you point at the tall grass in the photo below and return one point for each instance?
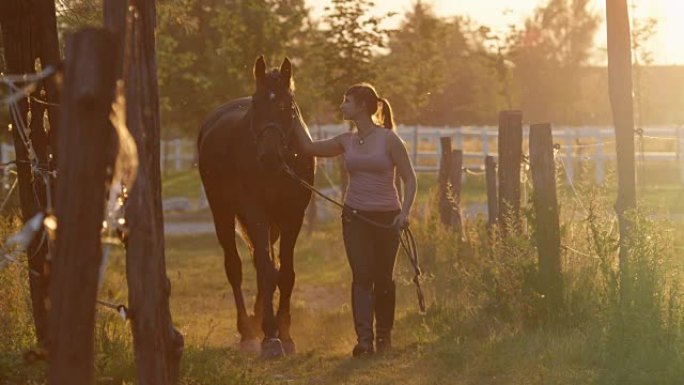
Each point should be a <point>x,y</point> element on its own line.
<point>16,321</point>
<point>629,318</point>
<point>485,323</point>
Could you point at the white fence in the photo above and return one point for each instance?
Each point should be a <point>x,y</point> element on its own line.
<point>588,144</point>
<point>176,154</point>
<point>596,145</point>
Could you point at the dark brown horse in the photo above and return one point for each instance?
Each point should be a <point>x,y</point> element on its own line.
<point>243,147</point>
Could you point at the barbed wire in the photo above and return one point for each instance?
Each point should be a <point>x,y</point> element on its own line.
<point>30,77</point>
<point>572,185</point>
<point>474,171</point>
<point>9,195</point>
<point>46,103</point>
<point>16,92</point>
<point>568,248</point>
<point>120,308</point>
<point>667,138</point>
<point>587,145</point>
<point>44,221</point>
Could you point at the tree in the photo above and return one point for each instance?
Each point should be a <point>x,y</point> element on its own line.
<point>73,14</point>
<point>549,56</point>
<point>351,41</point>
<point>207,48</point>
<point>415,67</point>
<point>468,95</point>
<point>433,73</point>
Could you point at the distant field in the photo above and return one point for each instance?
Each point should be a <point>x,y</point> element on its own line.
<point>660,189</point>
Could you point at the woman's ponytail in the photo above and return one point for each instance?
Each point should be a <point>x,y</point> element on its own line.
<point>378,108</point>
<point>386,116</point>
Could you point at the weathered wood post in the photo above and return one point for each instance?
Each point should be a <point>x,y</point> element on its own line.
<point>455,178</point>
<point>622,103</point>
<point>510,156</point>
<point>84,144</point>
<point>492,195</point>
<point>29,32</point>
<point>158,346</point>
<point>547,227</point>
<point>443,198</point>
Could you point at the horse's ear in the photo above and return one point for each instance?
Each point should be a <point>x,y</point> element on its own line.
<point>286,71</point>
<point>259,69</point>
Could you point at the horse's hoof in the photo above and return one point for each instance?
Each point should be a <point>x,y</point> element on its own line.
<point>289,347</point>
<point>250,346</point>
<point>271,348</point>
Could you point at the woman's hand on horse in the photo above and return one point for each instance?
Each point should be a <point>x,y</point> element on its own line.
<point>401,221</point>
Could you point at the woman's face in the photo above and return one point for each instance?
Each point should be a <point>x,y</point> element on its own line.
<point>350,109</point>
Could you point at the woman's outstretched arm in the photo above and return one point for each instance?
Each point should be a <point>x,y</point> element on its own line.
<point>321,148</point>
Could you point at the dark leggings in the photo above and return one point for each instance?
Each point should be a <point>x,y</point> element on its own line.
<point>371,250</point>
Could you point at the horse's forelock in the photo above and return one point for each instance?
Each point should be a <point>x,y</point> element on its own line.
<point>274,78</point>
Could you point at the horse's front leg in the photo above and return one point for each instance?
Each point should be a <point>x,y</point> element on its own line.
<point>267,278</point>
<point>286,279</point>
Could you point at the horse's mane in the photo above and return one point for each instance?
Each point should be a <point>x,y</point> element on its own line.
<point>240,105</point>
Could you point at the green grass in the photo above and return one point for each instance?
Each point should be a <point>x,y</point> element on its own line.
<point>181,184</point>
<point>484,324</point>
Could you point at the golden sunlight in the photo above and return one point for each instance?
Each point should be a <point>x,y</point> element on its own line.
<point>498,14</point>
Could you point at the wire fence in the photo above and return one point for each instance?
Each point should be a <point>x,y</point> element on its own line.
<point>595,146</point>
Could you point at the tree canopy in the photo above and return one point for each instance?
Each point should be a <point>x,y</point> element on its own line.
<point>434,70</point>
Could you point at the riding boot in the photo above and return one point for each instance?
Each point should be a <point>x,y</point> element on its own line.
<point>362,308</point>
<point>385,299</point>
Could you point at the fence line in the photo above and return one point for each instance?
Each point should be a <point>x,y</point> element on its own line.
<point>582,143</point>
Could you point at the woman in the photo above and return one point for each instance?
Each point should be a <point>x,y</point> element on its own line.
<point>371,155</point>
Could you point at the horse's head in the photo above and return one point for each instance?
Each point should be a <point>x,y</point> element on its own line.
<point>272,113</point>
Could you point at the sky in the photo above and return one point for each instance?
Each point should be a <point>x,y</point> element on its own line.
<point>666,45</point>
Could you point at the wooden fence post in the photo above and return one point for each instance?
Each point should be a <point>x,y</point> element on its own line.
<point>84,146</point>
<point>158,345</point>
<point>29,32</point>
<point>455,179</point>
<point>492,195</point>
<point>547,227</point>
<point>510,156</point>
<point>445,206</point>
<point>620,90</point>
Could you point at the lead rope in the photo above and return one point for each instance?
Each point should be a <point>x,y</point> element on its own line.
<point>406,239</point>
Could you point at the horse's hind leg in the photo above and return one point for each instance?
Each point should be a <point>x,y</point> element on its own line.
<point>286,280</point>
<point>225,229</point>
